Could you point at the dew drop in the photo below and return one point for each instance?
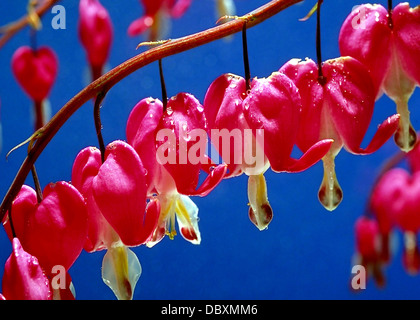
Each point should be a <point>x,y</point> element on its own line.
<point>169,111</point>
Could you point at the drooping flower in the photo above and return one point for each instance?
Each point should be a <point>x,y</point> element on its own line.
<point>264,122</point>
<point>119,190</point>
<point>368,248</point>
<point>156,17</point>
<point>397,194</point>
<point>338,107</point>
<point>23,277</point>
<point>387,44</point>
<point>385,223</point>
<point>53,230</point>
<point>118,215</point>
<point>95,33</point>
<point>172,144</point>
<point>36,70</point>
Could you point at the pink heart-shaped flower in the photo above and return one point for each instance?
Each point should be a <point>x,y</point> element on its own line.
<point>398,194</point>
<point>119,190</point>
<point>23,277</point>
<point>95,31</point>
<point>53,230</point>
<point>35,70</point>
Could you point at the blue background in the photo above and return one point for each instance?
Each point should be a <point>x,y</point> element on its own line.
<point>306,253</point>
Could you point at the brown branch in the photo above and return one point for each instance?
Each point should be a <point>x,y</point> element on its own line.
<point>15,27</point>
<point>44,135</point>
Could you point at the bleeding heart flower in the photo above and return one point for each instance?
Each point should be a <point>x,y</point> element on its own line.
<point>156,17</point>
<point>338,107</point>
<point>121,268</point>
<point>397,195</point>
<point>172,144</point>
<point>53,230</point>
<point>387,44</point>
<point>95,33</point>
<point>35,71</point>
<point>85,167</point>
<point>368,247</point>
<point>385,223</point>
<point>119,190</point>
<point>23,277</point>
<point>264,122</point>
<point>399,192</point>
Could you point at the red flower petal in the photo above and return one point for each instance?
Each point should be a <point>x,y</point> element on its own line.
<point>59,226</point>
<point>314,154</point>
<point>180,7</point>
<point>351,99</point>
<point>366,36</point>
<point>367,237</point>
<point>23,278</point>
<point>184,114</point>
<point>398,192</point>
<point>140,25</point>
<point>304,75</point>
<point>141,130</point>
<point>120,190</point>
<point>224,113</point>
<point>406,22</point>
<point>85,168</point>
<point>95,31</point>
<point>54,230</point>
<point>35,70</point>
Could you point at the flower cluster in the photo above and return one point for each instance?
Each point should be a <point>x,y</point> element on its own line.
<point>394,205</point>
<point>136,191</point>
<point>386,43</point>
